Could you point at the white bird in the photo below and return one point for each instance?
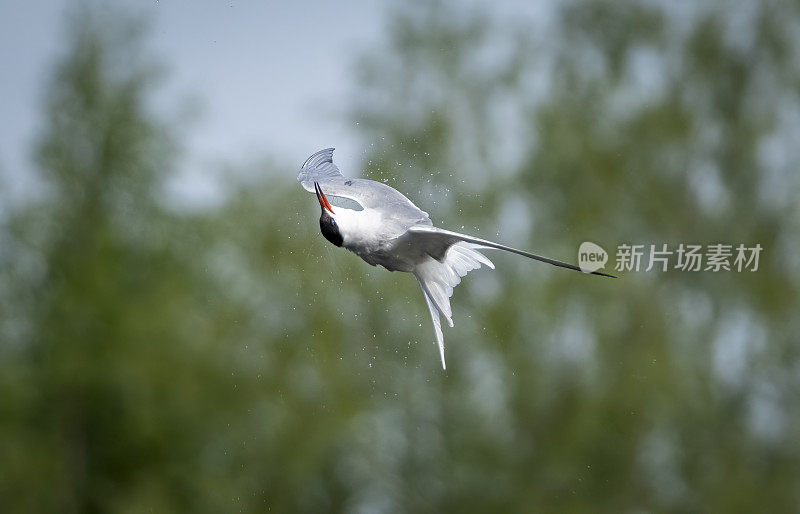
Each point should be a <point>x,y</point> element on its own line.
<point>383,227</point>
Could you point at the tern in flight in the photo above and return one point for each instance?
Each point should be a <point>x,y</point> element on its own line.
<point>383,227</point>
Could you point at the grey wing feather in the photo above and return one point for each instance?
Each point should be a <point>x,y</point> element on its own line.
<point>436,242</point>
<point>319,168</point>
<point>368,193</point>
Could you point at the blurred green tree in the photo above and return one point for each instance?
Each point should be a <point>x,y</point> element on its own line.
<point>619,122</point>
<point>109,376</point>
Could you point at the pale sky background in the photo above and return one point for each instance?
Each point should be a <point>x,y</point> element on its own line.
<point>247,64</point>
<point>271,78</point>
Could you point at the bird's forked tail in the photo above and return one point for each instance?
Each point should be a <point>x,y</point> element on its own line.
<point>437,280</point>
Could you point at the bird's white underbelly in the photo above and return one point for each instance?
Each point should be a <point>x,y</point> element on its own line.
<point>387,256</point>
<point>373,237</point>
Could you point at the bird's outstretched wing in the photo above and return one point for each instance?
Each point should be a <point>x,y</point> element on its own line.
<point>436,241</point>
<point>367,194</point>
<point>451,256</point>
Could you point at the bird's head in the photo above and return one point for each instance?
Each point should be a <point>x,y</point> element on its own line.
<point>327,220</point>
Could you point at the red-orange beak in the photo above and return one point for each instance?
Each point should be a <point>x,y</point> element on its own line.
<point>323,202</point>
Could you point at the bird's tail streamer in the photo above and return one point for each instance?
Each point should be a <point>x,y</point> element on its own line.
<point>437,280</point>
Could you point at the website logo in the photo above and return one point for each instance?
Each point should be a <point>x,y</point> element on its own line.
<point>591,257</point>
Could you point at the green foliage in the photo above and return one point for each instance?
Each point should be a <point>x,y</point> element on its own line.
<point>103,408</point>
<point>622,392</point>
<point>234,360</point>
